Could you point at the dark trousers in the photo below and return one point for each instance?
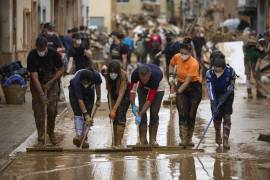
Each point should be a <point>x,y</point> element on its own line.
<point>154,108</point>
<point>39,109</point>
<point>187,104</point>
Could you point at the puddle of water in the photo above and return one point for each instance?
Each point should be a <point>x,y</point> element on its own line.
<point>134,166</point>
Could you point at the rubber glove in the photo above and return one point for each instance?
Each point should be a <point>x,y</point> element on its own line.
<point>138,120</point>
<point>135,109</point>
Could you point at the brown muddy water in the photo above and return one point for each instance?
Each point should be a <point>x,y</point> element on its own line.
<point>247,158</point>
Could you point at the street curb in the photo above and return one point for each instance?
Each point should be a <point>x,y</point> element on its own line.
<point>7,164</point>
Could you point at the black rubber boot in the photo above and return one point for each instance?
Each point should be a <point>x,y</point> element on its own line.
<point>143,134</point>
<point>153,135</point>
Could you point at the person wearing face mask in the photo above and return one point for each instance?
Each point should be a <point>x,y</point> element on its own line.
<point>46,68</point>
<point>80,55</point>
<point>220,83</point>
<point>82,96</point>
<point>151,87</point>
<point>118,93</point>
<point>188,91</point>
<point>118,50</point>
<point>52,38</point>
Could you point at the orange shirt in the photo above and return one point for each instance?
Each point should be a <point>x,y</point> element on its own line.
<point>186,68</point>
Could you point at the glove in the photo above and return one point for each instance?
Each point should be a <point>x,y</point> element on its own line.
<point>138,120</point>
<point>230,88</point>
<point>98,102</point>
<point>135,110</point>
<point>88,120</point>
<point>44,99</point>
<point>113,114</point>
<point>171,80</point>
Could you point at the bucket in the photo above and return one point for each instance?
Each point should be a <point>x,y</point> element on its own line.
<point>14,94</point>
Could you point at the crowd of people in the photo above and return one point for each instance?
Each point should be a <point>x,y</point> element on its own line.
<point>55,56</point>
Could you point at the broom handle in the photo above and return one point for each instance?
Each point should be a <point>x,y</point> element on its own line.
<point>206,129</point>
<point>88,127</point>
<point>110,107</point>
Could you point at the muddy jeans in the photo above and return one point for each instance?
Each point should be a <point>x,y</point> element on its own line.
<point>187,104</point>
<point>39,109</point>
<point>154,108</point>
<point>122,110</point>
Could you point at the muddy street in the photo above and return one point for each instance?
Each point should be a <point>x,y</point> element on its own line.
<point>247,158</point>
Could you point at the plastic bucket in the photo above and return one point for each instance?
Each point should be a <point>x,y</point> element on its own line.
<point>14,94</point>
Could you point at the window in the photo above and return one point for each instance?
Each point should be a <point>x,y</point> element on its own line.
<point>97,21</point>
<point>122,0</point>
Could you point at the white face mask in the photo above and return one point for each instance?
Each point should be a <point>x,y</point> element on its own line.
<point>184,57</point>
<point>110,40</point>
<point>78,41</point>
<point>113,76</point>
<point>41,53</point>
<point>86,85</point>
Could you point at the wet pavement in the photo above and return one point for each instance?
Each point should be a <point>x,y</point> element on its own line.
<point>247,158</point>
<point>12,117</point>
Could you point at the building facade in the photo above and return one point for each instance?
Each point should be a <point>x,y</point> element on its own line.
<point>102,14</point>
<point>138,6</point>
<point>18,29</point>
<point>20,23</point>
<point>257,11</point>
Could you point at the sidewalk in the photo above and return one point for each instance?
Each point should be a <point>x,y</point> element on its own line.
<point>16,124</point>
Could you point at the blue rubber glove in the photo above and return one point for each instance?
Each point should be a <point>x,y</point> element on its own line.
<point>138,120</point>
<point>135,110</point>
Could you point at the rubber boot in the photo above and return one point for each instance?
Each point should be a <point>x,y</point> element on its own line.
<point>217,126</point>
<point>52,138</point>
<point>226,131</point>
<point>119,135</point>
<point>143,134</point>
<point>114,134</point>
<point>77,140</point>
<point>189,138</point>
<point>40,137</point>
<point>183,135</point>
<point>249,93</point>
<point>153,134</point>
